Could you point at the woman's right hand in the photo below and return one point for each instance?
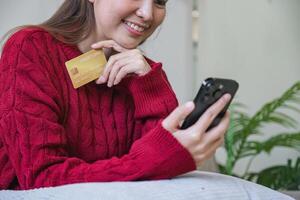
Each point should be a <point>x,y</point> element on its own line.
<point>201,144</point>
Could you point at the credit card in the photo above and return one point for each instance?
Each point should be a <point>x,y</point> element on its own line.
<point>86,67</point>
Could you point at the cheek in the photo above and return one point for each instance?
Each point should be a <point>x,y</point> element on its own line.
<point>158,20</point>
<point>106,23</point>
<point>159,17</point>
<point>107,13</point>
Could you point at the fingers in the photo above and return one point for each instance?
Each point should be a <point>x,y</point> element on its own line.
<point>120,64</point>
<point>109,44</point>
<point>218,131</point>
<point>199,143</point>
<point>200,146</point>
<point>171,123</point>
<point>126,70</point>
<point>109,65</point>
<point>209,115</point>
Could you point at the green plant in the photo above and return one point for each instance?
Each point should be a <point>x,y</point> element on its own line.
<point>240,144</point>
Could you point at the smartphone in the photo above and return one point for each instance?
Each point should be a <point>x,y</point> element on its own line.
<point>210,91</point>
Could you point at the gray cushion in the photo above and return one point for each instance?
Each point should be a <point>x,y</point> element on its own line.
<point>193,185</point>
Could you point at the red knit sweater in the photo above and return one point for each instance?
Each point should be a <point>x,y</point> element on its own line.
<point>52,134</point>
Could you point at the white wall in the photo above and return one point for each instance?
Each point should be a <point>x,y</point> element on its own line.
<point>173,46</point>
<point>256,42</point>
<point>20,12</point>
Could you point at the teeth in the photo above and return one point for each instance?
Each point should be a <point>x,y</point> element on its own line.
<point>135,27</point>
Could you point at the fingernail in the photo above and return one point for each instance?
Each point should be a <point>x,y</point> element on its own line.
<point>227,97</point>
<point>93,46</point>
<point>101,79</point>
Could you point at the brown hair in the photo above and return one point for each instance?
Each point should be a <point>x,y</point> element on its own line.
<point>71,23</point>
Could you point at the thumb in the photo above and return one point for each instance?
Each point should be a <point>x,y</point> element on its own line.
<point>171,122</point>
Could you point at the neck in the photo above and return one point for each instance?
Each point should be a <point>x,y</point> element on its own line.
<point>85,45</point>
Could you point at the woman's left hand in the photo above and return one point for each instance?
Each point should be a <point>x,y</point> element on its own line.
<point>126,62</point>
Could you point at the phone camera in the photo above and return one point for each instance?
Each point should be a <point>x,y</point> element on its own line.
<point>217,94</point>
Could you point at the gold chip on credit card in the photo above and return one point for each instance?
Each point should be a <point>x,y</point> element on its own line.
<point>86,68</point>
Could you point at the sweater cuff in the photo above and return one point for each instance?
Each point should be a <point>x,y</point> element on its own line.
<point>166,157</point>
<point>151,91</point>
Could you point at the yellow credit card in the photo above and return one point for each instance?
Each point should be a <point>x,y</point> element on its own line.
<point>86,68</point>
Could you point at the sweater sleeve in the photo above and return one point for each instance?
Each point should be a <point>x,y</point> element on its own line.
<point>35,139</point>
<point>153,97</point>
<point>152,93</point>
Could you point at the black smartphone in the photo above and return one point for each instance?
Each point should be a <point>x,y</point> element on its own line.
<point>210,91</point>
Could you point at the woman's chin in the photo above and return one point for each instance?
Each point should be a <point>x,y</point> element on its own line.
<point>129,44</point>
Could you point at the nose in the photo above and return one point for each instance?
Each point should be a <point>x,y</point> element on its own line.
<point>145,10</point>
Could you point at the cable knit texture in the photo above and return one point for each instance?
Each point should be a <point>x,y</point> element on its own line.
<point>52,134</point>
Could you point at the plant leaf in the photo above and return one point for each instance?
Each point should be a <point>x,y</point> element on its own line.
<point>281,121</point>
<point>291,140</point>
<point>291,107</point>
<point>288,119</point>
<point>279,177</point>
<point>264,115</point>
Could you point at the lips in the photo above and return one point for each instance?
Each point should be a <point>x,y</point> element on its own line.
<point>136,27</point>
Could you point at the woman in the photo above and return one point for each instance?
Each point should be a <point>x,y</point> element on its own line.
<point>119,128</point>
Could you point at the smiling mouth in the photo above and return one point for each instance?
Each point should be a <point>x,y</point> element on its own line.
<point>136,27</point>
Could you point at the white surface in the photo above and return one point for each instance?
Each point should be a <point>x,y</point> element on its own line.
<point>20,12</point>
<point>257,43</point>
<point>191,186</point>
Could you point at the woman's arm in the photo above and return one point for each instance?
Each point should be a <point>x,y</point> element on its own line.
<point>153,97</point>
<point>36,142</point>
<point>152,94</point>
